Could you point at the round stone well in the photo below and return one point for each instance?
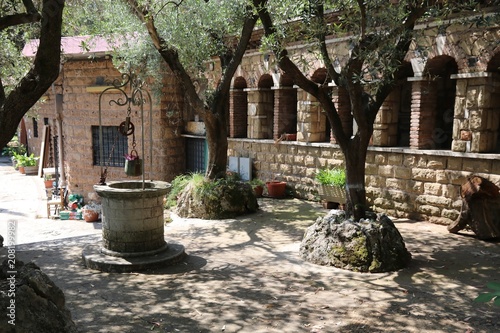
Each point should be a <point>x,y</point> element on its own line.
<point>132,228</point>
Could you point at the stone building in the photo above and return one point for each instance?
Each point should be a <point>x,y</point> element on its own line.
<point>432,132</point>
<point>71,108</point>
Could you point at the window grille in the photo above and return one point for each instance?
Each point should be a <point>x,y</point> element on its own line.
<point>110,137</point>
<point>195,153</point>
<point>35,128</point>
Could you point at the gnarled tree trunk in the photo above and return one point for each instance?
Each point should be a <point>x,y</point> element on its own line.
<point>480,208</point>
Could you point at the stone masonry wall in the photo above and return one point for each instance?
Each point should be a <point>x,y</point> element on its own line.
<point>400,182</point>
<point>81,112</point>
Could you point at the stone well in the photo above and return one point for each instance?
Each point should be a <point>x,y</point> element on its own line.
<point>132,228</point>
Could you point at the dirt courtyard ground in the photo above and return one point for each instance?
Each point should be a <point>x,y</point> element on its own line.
<point>245,275</point>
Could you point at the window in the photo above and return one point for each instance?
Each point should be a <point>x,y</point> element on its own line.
<point>115,146</point>
<point>35,128</point>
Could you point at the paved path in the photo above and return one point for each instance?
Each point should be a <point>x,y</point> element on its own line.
<point>245,275</point>
<point>23,200</point>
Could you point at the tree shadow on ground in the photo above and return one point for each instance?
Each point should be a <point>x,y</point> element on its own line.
<point>245,275</point>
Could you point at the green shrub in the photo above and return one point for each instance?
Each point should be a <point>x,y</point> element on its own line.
<point>25,160</point>
<point>331,176</point>
<point>179,183</point>
<point>14,148</point>
<point>256,182</point>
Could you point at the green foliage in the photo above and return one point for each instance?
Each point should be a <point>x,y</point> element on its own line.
<point>210,191</point>
<point>196,30</point>
<point>256,182</point>
<point>494,295</point>
<point>13,66</point>
<point>25,160</point>
<point>331,176</point>
<point>179,183</point>
<point>14,148</point>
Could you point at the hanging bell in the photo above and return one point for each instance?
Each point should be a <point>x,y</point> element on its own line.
<point>133,164</point>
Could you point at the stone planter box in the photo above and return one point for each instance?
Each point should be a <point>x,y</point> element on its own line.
<point>31,170</point>
<point>332,193</point>
<point>195,127</point>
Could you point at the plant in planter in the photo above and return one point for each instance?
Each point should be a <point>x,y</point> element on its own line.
<point>258,187</point>
<point>91,212</point>
<point>276,188</point>
<point>13,149</point>
<point>48,180</point>
<point>332,183</point>
<point>27,164</point>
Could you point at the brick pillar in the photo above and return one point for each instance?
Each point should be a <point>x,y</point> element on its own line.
<point>285,111</point>
<point>385,127</point>
<point>311,121</point>
<point>238,105</point>
<point>422,122</point>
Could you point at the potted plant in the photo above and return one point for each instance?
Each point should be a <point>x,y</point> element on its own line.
<point>48,180</point>
<point>275,188</point>
<point>258,187</point>
<point>27,164</point>
<point>91,212</point>
<point>332,184</point>
<point>12,149</point>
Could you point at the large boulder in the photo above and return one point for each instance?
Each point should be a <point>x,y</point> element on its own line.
<point>372,245</point>
<point>222,200</point>
<point>32,301</point>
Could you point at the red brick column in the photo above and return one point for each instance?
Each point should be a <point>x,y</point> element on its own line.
<point>238,104</point>
<point>422,123</point>
<point>285,111</point>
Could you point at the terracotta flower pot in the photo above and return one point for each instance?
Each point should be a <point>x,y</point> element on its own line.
<point>276,189</point>
<point>90,215</point>
<point>48,183</point>
<point>258,190</point>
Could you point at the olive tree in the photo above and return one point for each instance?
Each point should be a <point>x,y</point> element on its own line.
<point>22,83</point>
<point>379,34</point>
<point>186,34</point>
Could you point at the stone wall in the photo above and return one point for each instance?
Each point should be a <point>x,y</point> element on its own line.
<point>400,182</point>
<point>80,111</point>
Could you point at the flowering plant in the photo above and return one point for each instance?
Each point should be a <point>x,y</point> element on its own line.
<point>131,157</point>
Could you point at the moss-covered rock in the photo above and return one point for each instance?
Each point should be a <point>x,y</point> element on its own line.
<point>216,200</point>
<point>373,245</point>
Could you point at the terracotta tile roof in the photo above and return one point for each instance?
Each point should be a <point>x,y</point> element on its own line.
<point>74,46</point>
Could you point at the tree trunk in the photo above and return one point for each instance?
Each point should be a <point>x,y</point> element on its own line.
<point>480,208</point>
<point>42,74</point>
<point>355,158</point>
<point>215,124</point>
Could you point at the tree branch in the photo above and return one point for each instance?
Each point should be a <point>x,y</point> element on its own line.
<point>44,72</point>
<point>322,46</point>
<point>362,9</point>
<point>2,93</point>
<point>170,56</point>
<point>30,16</point>
<point>303,82</point>
<point>18,19</point>
<point>235,60</point>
